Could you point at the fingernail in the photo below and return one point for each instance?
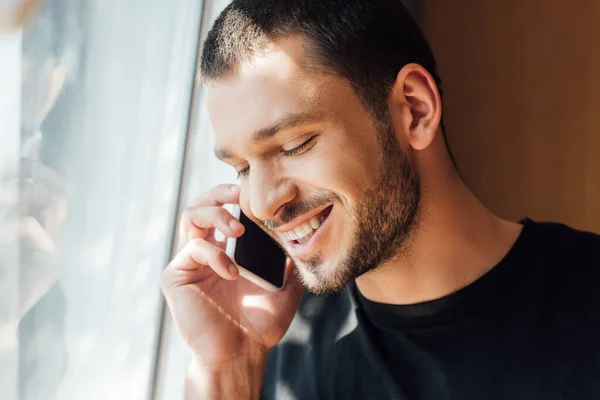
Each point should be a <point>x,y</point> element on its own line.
<point>233,270</point>
<point>234,188</point>
<point>235,224</point>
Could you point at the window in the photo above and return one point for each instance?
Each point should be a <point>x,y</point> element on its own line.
<point>91,185</point>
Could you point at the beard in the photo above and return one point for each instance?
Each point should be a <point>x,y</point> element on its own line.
<point>383,220</point>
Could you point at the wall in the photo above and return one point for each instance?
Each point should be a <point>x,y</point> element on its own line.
<point>522,83</point>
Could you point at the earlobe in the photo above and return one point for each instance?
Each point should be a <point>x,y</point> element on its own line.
<point>421,137</point>
<point>423,105</point>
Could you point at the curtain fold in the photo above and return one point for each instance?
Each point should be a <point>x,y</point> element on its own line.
<point>10,94</point>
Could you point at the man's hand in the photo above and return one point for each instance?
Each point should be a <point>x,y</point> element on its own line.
<point>229,323</point>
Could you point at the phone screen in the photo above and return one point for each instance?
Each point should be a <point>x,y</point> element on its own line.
<point>257,252</point>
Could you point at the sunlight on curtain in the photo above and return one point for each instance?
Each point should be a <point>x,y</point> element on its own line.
<point>105,100</point>
<point>10,92</point>
<point>203,171</point>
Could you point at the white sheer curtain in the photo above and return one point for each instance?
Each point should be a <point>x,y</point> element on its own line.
<point>202,171</point>
<point>10,91</point>
<point>91,167</point>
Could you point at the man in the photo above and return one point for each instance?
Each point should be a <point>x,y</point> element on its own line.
<point>333,109</point>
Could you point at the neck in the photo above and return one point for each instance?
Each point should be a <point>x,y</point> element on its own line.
<point>456,241</point>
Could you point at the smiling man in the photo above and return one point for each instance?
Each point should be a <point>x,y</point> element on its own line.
<point>331,113</point>
<point>305,147</point>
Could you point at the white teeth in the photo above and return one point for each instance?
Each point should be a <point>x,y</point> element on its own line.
<point>307,232</point>
<point>303,240</point>
<point>315,223</point>
<point>302,233</point>
<point>299,232</point>
<point>306,229</point>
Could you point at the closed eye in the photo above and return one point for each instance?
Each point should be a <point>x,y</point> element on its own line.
<point>300,149</point>
<point>243,172</point>
<point>304,147</point>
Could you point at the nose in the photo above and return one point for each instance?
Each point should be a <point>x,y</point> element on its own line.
<point>268,192</point>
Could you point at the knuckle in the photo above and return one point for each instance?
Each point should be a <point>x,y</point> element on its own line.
<point>197,243</point>
<point>209,251</point>
<point>214,254</point>
<point>166,280</point>
<point>222,214</point>
<point>221,257</point>
<point>186,215</point>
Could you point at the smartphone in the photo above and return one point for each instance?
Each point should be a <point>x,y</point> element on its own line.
<point>260,258</point>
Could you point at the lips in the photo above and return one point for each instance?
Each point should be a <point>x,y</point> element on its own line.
<point>298,240</point>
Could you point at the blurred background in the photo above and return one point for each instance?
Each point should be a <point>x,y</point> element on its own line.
<point>104,139</point>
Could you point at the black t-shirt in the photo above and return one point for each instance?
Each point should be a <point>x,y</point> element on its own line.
<point>527,329</point>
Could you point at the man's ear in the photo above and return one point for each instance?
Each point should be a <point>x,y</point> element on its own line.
<point>416,96</point>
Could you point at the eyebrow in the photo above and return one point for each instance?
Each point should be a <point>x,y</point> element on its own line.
<point>264,134</point>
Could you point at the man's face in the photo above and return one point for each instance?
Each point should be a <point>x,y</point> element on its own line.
<point>317,172</point>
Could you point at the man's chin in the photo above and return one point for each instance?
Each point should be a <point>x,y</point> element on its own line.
<point>323,279</point>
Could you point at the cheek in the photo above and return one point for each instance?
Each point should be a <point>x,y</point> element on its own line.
<point>344,170</point>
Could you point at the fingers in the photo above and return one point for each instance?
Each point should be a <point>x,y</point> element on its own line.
<point>218,196</point>
<point>206,213</point>
<point>209,217</point>
<point>190,265</point>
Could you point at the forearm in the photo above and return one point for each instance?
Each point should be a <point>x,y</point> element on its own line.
<point>240,380</point>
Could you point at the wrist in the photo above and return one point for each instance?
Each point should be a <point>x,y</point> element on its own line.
<point>236,380</point>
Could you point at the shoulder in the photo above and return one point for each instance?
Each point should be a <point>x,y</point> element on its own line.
<point>566,263</point>
<point>566,282</point>
<point>566,238</point>
<point>566,248</point>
